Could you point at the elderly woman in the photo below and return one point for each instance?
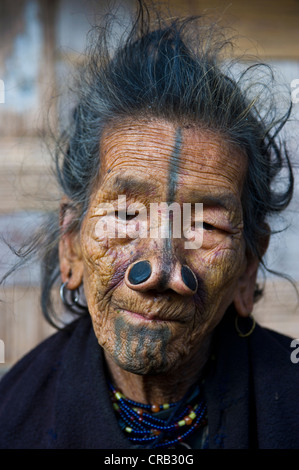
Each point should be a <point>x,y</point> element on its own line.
<point>163,351</point>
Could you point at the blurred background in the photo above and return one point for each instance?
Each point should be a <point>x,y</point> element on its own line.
<point>41,42</point>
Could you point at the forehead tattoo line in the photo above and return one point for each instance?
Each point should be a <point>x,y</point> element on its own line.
<point>174,166</point>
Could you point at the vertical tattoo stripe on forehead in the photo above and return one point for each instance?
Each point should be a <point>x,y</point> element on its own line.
<point>174,166</point>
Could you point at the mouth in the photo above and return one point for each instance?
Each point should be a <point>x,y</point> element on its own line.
<point>148,317</point>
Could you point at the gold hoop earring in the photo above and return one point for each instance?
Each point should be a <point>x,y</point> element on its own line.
<point>240,333</point>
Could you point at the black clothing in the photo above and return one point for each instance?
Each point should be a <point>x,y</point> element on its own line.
<point>57,395</point>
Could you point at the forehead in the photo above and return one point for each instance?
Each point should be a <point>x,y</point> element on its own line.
<point>163,153</point>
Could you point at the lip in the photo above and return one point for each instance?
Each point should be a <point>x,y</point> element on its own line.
<point>149,318</point>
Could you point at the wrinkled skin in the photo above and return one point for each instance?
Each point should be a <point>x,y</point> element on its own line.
<point>156,335</point>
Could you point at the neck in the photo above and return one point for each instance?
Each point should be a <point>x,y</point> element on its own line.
<point>162,388</point>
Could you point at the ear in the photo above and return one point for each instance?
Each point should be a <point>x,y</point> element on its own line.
<point>70,256</point>
<point>244,296</point>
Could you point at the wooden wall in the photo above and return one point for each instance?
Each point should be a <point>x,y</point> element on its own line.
<point>40,41</point>
<point>266,27</point>
<point>27,68</point>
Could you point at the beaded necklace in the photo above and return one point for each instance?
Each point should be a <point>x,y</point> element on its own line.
<point>141,424</point>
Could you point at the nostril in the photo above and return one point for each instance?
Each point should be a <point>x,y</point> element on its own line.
<point>140,272</point>
<point>189,278</point>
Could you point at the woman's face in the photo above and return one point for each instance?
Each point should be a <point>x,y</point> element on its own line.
<point>161,323</point>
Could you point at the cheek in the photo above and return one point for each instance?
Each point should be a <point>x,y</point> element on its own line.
<point>100,256</point>
<point>219,270</point>
<point>222,266</point>
<point>105,261</point>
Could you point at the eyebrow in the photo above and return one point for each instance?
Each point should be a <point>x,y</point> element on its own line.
<point>226,201</point>
<point>131,185</point>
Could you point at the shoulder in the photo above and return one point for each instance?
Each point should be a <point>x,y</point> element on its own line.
<point>272,358</point>
<point>28,390</point>
<point>43,358</point>
<point>272,345</point>
<point>256,374</point>
<point>276,384</point>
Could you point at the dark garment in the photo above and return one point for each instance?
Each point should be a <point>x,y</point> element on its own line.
<point>57,395</point>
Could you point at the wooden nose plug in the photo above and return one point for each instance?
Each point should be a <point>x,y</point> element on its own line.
<point>140,272</point>
<point>189,278</point>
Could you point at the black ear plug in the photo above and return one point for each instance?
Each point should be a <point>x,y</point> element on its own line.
<point>140,272</point>
<point>189,278</point>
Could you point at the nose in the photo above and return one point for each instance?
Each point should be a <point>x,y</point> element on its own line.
<point>153,274</point>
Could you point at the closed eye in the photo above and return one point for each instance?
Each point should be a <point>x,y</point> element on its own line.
<point>123,215</point>
<point>208,226</point>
